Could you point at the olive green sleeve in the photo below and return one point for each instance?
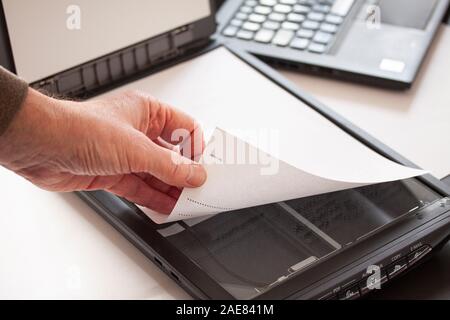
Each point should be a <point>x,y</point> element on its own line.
<point>13,91</point>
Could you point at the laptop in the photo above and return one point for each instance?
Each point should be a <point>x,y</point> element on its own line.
<point>339,245</point>
<point>376,42</point>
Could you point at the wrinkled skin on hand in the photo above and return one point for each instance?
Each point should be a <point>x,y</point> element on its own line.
<point>122,144</point>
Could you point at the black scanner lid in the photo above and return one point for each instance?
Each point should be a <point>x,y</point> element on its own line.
<point>117,65</point>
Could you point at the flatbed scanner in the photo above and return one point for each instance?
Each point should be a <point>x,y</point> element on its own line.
<point>339,245</point>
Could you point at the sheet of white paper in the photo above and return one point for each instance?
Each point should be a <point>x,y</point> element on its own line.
<point>240,185</point>
<point>222,91</point>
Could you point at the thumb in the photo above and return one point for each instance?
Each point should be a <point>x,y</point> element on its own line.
<point>170,167</point>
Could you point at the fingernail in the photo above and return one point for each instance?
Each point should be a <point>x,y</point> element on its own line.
<point>197,175</point>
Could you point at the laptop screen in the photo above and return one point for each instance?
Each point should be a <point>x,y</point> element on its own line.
<point>49,36</point>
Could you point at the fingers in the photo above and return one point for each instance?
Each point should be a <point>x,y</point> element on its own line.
<point>172,168</point>
<point>161,142</point>
<point>160,186</point>
<point>129,186</point>
<point>136,190</point>
<point>175,127</point>
<point>157,119</point>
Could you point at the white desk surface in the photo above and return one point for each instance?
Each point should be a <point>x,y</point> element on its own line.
<point>54,246</point>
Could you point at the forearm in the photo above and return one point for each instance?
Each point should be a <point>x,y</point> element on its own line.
<point>13,91</point>
<point>31,134</point>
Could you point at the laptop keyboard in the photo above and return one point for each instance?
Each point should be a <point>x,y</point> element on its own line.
<point>309,25</point>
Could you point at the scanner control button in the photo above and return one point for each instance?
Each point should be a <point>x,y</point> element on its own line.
<point>418,254</point>
<point>349,293</point>
<point>396,268</point>
<point>373,282</point>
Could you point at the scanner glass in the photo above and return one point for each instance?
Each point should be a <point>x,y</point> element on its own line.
<point>250,250</point>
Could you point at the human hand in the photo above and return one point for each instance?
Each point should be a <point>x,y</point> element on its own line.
<point>124,144</point>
